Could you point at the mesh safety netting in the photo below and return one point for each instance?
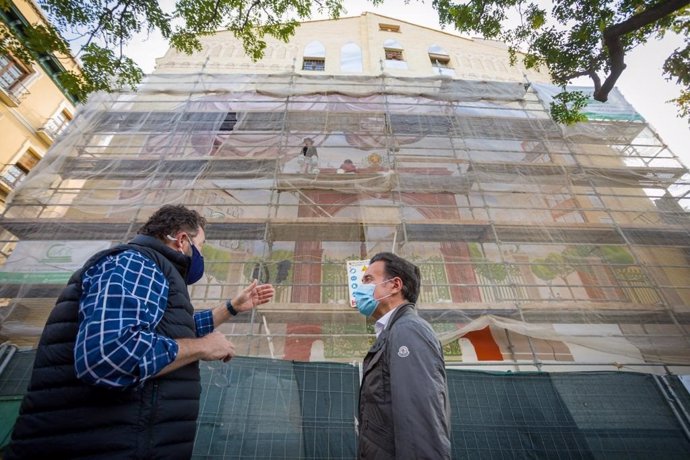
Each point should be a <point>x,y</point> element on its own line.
<point>256,408</point>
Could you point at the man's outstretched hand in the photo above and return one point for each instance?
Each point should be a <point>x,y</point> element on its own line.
<point>252,296</point>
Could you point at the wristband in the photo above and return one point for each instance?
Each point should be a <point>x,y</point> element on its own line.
<point>231,309</point>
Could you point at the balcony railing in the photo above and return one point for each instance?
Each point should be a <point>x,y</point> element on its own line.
<point>52,129</point>
<point>11,176</point>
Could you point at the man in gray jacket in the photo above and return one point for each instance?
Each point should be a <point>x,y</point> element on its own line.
<point>403,401</point>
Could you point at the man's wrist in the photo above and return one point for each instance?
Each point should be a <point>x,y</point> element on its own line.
<point>231,309</point>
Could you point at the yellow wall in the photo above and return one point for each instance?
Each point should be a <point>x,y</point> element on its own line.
<point>21,125</point>
<point>470,58</point>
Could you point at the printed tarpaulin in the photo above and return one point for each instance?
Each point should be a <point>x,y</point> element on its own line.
<point>570,245</point>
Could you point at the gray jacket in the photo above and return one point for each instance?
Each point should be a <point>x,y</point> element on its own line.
<point>404,410</point>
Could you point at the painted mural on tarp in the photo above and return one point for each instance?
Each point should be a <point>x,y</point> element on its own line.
<point>537,243</point>
<point>47,262</point>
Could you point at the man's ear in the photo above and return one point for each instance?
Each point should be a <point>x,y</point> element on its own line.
<point>175,242</point>
<point>181,237</point>
<point>398,283</point>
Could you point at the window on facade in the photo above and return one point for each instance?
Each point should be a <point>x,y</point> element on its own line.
<point>314,57</point>
<point>393,52</point>
<point>11,72</point>
<point>350,58</point>
<point>389,27</point>
<point>58,123</point>
<point>394,55</point>
<point>440,60</point>
<point>28,160</point>
<point>315,64</point>
<point>438,56</point>
<point>12,175</point>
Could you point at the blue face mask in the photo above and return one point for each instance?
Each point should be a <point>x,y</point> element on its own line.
<point>196,263</point>
<point>196,266</point>
<point>365,300</point>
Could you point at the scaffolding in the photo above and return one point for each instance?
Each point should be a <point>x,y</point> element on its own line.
<point>536,242</point>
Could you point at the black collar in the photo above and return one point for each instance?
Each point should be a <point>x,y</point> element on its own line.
<point>179,260</point>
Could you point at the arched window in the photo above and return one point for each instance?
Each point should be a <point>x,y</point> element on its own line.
<point>351,58</point>
<point>440,60</point>
<point>393,51</point>
<point>314,57</point>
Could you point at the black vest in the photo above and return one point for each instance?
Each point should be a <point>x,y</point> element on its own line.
<point>62,417</point>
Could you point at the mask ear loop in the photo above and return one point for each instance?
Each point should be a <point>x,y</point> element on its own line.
<point>391,279</point>
<point>171,238</point>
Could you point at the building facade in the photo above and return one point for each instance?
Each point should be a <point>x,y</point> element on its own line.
<point>34,107</point>
<point>540,245</point>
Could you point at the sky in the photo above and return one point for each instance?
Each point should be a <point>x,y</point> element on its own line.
<point>641,83</point>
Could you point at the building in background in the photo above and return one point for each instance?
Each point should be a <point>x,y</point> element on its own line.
<point>541,246</point>
<point>34,107</point>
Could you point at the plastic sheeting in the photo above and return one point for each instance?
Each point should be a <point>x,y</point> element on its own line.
<point>615,108</point>
<point>537,243</point>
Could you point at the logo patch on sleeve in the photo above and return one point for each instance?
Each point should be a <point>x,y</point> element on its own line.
<point>403,352</point>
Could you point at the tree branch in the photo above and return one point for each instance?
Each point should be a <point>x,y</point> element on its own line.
<point>596,80</point>
<point>653,14</point>
<point>586,73</point>
<point>249,10</point>
<point>612,40</point>
<point>101,18</point>
<point>215,8</point>
<point>122,15</point>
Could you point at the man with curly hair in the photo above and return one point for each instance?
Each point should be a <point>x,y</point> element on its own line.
<point>116,373</point>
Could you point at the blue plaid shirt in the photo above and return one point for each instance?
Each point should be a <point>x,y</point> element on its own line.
<point>124,298</point>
